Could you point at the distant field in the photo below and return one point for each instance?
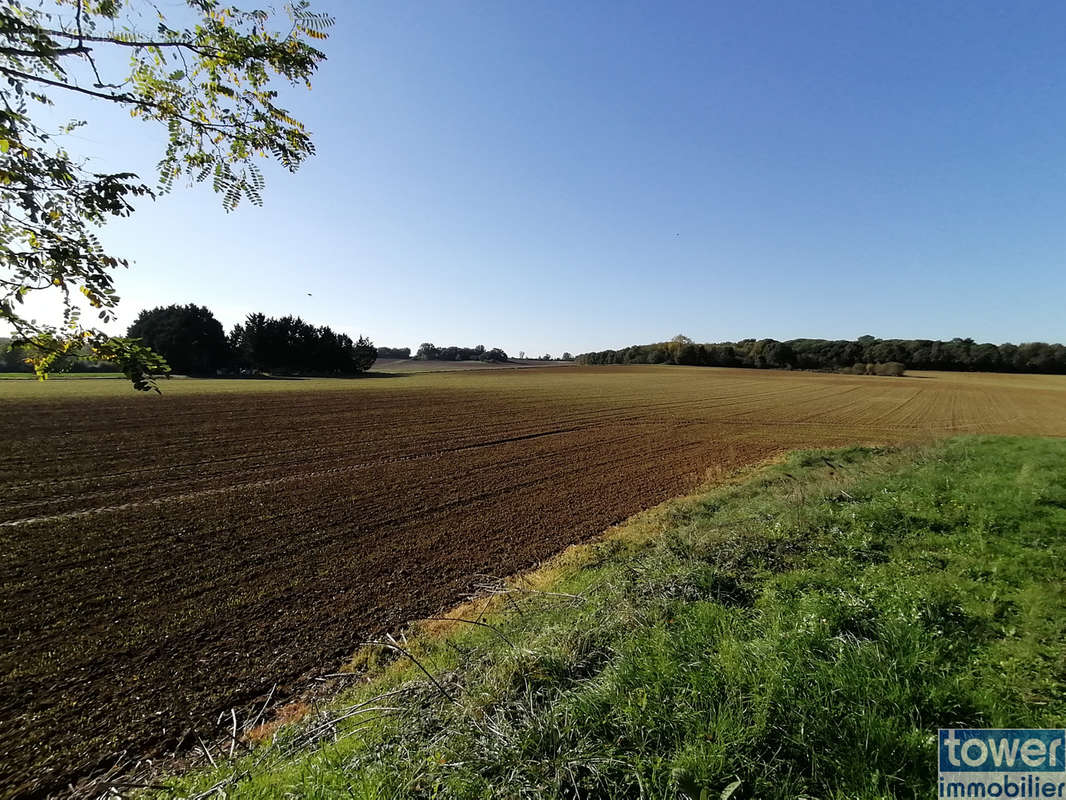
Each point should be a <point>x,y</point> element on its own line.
<point>382,365</point>
<point>415,365</point>
<point>169,557</point>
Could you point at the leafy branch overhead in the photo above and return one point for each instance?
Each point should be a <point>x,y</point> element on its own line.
<point>211,83</point>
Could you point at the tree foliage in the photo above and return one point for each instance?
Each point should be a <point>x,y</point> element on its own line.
<point>427,351</point>
<point>288,345</point>
<point>865,355</point>
<point>189,337</point>
<point>20,358</point>
<point>210,84</point>
<point>394,352</point>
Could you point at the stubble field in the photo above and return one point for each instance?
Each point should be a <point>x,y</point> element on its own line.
<point>166,558</point>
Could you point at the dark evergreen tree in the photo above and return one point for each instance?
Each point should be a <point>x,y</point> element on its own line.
<point>288,345</point>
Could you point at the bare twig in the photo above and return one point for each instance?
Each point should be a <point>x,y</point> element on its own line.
<point>418,664</point>
<point>330,723</point>
<point>563,595</point>
<point>506,591</point>
<point>207,751</point>
<point>484,607</point>
<point>492,628</point>
<point>263,709</point>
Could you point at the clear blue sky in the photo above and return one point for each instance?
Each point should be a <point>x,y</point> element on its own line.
<point>574,176</point>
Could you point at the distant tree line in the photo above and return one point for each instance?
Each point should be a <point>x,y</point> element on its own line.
<point>427,351</point>
<point>550,357</point>
<point>15,358</point>
<point>194,343</point>
<point>394,352</point>
<point>862,354</point>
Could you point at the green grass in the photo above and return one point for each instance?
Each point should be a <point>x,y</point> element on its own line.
<point>799,634</point>
<point>59,376</point>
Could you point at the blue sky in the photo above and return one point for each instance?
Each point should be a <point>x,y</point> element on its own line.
<point>575,176</point>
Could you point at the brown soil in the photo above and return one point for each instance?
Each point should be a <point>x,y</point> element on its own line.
<point>168,558</point>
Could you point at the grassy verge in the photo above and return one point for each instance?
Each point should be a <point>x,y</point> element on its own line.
<point>61,376</point>
<point>799,634</point>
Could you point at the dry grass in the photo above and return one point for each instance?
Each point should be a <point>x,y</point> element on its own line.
<point>286,715</point>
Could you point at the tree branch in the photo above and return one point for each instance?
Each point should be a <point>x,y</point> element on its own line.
<point>115,98</point>
<point>223,128</point>
<point>60,51</point>
<point>137,43</point>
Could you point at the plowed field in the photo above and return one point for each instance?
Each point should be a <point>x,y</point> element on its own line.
<point>166,558</point>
